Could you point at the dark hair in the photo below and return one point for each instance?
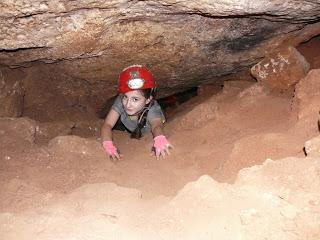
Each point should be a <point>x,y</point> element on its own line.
<point>142,116</point>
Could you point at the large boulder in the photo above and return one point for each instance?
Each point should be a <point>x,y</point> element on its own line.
<point>282,70</point>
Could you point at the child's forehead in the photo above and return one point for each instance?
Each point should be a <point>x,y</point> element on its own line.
<point>134,93</point>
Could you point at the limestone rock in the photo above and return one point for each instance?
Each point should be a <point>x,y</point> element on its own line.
<point>282,70</point>
<point>307,95</point>
<point>306,101</point>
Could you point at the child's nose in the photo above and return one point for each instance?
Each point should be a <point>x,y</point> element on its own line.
<point>128,104</point>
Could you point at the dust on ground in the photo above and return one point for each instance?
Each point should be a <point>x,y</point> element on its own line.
<point>69,189</point>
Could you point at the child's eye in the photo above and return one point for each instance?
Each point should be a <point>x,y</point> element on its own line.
<point>135,99</point>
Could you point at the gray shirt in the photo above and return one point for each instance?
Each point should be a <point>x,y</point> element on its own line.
<point>154,112</point>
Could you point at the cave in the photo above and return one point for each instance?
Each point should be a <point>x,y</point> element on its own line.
<point>239,85</point>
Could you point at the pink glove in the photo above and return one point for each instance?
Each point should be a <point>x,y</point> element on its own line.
<point>111,150</point>
<point>161,146</point>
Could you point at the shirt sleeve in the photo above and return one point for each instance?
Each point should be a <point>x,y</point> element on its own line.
<point>117,105</point>
<point>155,111</point>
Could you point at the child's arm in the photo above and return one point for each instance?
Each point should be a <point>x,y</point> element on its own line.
<point>156,127</point>
<point>106,134</point>
<point>161,143</point>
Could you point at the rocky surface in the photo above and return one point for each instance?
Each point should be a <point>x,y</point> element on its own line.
<point>240,174</point>
<point>307,105</point>
<point>275,200</point>
<point>288,66</point>
<point>74,50</point>
<point>11,93</point>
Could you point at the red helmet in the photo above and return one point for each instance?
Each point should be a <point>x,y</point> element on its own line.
<point>135,77</point>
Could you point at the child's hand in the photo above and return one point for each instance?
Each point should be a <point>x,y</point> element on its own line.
<point>111,150</point>
<point>161,146</point>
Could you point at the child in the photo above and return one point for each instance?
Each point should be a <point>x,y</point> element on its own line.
<point>137,110</point>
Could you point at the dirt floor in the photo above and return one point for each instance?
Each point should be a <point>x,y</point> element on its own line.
<point>66,187</point>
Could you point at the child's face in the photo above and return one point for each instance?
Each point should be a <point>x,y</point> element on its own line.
<point>134,101</point>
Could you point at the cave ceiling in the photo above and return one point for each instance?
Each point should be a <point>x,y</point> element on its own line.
<point>76,49</point>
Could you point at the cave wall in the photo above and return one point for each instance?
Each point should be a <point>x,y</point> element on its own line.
<point>11,92</point>
<point>71,52</point>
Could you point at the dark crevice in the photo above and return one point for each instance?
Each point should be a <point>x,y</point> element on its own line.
<point>20,49</point>
<point>310,49</point>
<point>178,98</point>
<point>25,16</point>
<point>52,61</point>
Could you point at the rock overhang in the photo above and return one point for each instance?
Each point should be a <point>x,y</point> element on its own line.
<point>79,48</point>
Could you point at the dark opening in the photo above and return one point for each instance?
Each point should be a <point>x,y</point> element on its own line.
<point>177,98</point>
<point>311,51</point>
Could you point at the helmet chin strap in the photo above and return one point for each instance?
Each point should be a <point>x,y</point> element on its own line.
<point>152,91</point>
<point>144,110</point>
